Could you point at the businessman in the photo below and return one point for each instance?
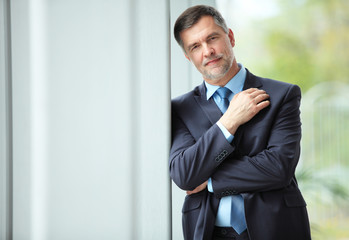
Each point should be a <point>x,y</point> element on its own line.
<point>235,142</point>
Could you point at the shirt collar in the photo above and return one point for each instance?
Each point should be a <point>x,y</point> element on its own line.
<point>235,84</point>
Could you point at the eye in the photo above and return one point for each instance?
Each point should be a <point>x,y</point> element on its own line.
<point>193,48</point>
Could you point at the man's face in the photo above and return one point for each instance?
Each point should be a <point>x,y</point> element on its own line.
<point>210,49</point>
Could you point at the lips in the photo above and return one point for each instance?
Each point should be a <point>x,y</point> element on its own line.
<point>212,61</point>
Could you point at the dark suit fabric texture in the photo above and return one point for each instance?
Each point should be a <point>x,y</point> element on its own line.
<point>259,164</point>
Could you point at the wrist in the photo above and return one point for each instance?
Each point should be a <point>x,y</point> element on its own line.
<point>230,125</point>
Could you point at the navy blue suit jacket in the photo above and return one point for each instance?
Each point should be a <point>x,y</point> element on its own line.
<point>259,164</point>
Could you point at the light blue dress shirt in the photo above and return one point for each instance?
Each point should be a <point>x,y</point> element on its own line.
<point>236,85</point>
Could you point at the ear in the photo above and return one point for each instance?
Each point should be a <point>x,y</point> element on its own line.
<point>231,37</point>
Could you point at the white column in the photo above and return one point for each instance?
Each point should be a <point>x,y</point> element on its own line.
<point>5,125</point>
<point>91,121</point>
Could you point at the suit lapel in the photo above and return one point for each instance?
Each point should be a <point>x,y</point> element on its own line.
<point>209,107</point>
<point>251,81</point>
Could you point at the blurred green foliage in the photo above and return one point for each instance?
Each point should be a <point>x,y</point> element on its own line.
<point>307,43</point>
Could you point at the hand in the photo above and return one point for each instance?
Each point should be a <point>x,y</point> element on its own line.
<point>198,189</point>
<point>243,107</point>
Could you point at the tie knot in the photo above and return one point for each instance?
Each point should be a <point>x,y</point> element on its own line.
<point>223,92</point>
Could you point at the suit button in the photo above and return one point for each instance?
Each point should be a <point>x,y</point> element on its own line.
<point>219,158</point>
<point>224,232</point>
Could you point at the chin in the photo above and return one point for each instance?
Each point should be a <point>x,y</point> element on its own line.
<point>216,76</point>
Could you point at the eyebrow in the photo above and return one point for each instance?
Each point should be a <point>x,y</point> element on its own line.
<point>212,34</point>
<point>209,36</point>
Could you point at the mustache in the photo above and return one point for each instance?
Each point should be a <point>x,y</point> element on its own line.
<point>214,57</point>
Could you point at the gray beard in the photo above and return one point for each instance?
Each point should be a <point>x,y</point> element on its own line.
<point>224,69</point>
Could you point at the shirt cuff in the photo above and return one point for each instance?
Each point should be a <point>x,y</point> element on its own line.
<point>225,132</point>
<point>209,185</point>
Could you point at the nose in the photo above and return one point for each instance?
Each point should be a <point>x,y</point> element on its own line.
<point>208,50</point>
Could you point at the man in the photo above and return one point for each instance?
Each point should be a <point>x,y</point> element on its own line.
<point>235,142</point>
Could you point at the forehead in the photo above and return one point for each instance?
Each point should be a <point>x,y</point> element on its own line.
<point>199,31</point>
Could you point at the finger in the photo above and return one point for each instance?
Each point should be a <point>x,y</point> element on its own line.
<point>246,92</point>
<point>261,97</point>
<point>263,105</point>
<point>250,90</point>
<point>257,93</point>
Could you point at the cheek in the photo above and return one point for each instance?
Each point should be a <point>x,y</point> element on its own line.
<point>228,51</point>
<point>225,47</point>
<point>196,59</point>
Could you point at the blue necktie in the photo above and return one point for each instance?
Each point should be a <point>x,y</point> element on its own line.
<point>224,94</point>
<point>234,203</point>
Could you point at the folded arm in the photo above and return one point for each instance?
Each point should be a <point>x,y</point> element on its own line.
<point>193,162</point>
<point>271,168</point>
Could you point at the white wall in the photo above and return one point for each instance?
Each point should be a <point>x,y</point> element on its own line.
<point>90,101</point>
<point>84,118</point>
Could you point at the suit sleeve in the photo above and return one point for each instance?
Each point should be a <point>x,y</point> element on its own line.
<point>272,167</point>
<point>193,162</point>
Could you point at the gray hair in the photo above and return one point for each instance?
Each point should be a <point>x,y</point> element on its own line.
<point>192,15</point>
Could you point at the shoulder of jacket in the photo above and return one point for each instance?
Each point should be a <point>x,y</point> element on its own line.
<point>189,96</point>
